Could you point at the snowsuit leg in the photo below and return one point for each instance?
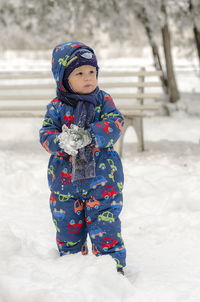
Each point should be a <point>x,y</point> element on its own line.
<point>69,219</point>
<point>105,226</point>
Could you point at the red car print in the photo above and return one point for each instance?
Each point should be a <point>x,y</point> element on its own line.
<point>52,199</point>
<point>78,206</point>
<point>65,177</point>
<point>105,126</point>
<point>74,227</point>
<point>51,131</point>
<point>109,100</point>
<point>61,154</point>
<point>75,45</point>
<point>62,88</point>
<point>88,220</point>
<point>109,191</point>
<point>108,242</point>
<point>59,242</point>
<point>55,100</point>
<point>68,119</point>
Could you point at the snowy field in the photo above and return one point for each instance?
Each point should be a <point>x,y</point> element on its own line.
<point>160,219</point>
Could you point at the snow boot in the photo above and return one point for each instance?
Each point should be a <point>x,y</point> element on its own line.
<point>120,270</point>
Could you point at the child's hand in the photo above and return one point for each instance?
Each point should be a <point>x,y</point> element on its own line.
<point>67,143</point>
<point>82,137</point>
<point>74,138</point>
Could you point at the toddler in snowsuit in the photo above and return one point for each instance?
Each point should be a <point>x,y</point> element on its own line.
<point>85,174</point>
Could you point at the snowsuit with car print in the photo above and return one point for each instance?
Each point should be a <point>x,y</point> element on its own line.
<point>87,206</point>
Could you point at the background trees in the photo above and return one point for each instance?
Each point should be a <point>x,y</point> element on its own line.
<point>161,24</point>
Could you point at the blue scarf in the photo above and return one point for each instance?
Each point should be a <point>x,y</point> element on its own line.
<point>83,164</point>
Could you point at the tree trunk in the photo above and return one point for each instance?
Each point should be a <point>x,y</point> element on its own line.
<point>197,40</point>
<point>173,89</point>
<point>156,56</point>
<point>195,30</point>
<point>157,60</point>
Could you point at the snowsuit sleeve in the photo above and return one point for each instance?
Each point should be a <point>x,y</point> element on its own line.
<point>107,130</point>
<point>50,130</point>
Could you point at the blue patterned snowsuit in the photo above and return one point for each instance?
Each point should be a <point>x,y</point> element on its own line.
<point>89,206</point>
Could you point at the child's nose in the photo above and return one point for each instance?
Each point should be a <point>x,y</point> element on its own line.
<point>88,76</point>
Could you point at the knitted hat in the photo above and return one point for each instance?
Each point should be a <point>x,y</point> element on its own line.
<point>79,58</point>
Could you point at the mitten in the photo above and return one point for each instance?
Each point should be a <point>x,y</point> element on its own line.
<point>67,141</point>
<point>82,137</point>
<point>73,138</point>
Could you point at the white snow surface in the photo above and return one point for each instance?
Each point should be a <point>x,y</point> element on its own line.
<point>160,221</point>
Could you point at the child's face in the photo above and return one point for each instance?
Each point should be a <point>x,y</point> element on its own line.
<point>83,79</point>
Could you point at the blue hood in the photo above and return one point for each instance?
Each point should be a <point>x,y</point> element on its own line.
<point>61,56</point>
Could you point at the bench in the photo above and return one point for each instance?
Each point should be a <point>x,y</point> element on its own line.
<point>132,99</point>
<point>26,94</point>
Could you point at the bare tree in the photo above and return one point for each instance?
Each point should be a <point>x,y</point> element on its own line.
<point>185,14</point>
<point>143,17</point>
<point>172,85</point>
<point>194,14</point>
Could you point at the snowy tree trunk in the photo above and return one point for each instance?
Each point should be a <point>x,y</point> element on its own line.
<point>197,40</point>
<point>195,29</point>
<point>173,89</point>
<point>157,60</point>
<point>142,16</point>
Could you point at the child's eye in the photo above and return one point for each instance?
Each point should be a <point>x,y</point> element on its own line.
<point>92,71</point>
<point>79,73</point>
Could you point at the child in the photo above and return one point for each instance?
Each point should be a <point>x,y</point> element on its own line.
<point>85,174</point>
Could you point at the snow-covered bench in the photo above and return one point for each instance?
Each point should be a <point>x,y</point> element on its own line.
<point>26,94</point>
<point>138,94</point>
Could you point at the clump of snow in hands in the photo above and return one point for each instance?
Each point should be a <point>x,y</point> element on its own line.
<point>160,221</point>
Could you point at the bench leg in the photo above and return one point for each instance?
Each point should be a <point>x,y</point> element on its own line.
<point>119,144</point>
<point>122,137</point>
<point>137,123</point>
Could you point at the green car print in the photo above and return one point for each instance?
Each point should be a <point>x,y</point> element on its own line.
<point>106,216</point>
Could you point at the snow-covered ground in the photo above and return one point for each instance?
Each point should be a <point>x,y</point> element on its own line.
<point>160,219</point>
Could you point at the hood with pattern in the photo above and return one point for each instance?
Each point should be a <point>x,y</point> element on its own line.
<point>61,59</point>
